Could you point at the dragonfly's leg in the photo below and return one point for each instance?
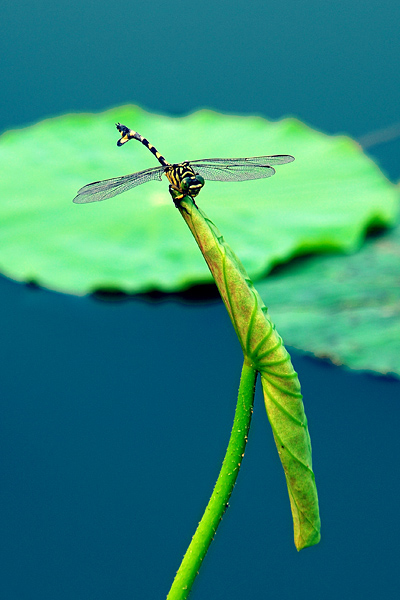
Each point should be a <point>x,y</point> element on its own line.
<point>176,196</point>
<point>194,202</point>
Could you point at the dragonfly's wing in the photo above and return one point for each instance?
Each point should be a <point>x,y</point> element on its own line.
<point>261,161</point>
<point>101,190</point>
<point>238,169</point>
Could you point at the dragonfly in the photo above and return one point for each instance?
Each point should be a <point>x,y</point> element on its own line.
<point>186,178</point>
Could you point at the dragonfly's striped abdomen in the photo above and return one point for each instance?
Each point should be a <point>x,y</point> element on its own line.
<point>128,134</point>
<point>181,176</point>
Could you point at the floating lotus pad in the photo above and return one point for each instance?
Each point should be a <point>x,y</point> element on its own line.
<point>346,309</point>
<point>137,242</point>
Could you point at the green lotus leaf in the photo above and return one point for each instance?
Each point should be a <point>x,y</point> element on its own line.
<point>346,309</point>
<point>135,242</point>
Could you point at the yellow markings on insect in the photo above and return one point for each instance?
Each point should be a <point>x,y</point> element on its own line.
<point>124,138</point>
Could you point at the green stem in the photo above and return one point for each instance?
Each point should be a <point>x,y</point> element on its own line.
<point>216,507</point>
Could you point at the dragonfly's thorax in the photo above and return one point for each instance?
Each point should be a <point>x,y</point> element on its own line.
<point>175,173</point>
<point>183,179</point>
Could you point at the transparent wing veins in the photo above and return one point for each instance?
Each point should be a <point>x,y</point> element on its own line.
<point>102,190</point>
<point>239,169</point>
<point>212,169</point>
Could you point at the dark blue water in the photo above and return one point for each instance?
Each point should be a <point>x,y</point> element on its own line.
<point>332,64</point>
<point>115,415</point>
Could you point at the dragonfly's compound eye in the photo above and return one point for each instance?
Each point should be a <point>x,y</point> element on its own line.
<point>185,183</point>
<point>200,179</point>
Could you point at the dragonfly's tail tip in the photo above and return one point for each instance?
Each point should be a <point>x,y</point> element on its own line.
<point>124,131</point>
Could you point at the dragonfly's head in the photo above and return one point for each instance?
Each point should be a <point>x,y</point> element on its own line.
<point>192,185</point>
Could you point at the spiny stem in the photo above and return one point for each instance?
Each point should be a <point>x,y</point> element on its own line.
<point>216,507</point>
